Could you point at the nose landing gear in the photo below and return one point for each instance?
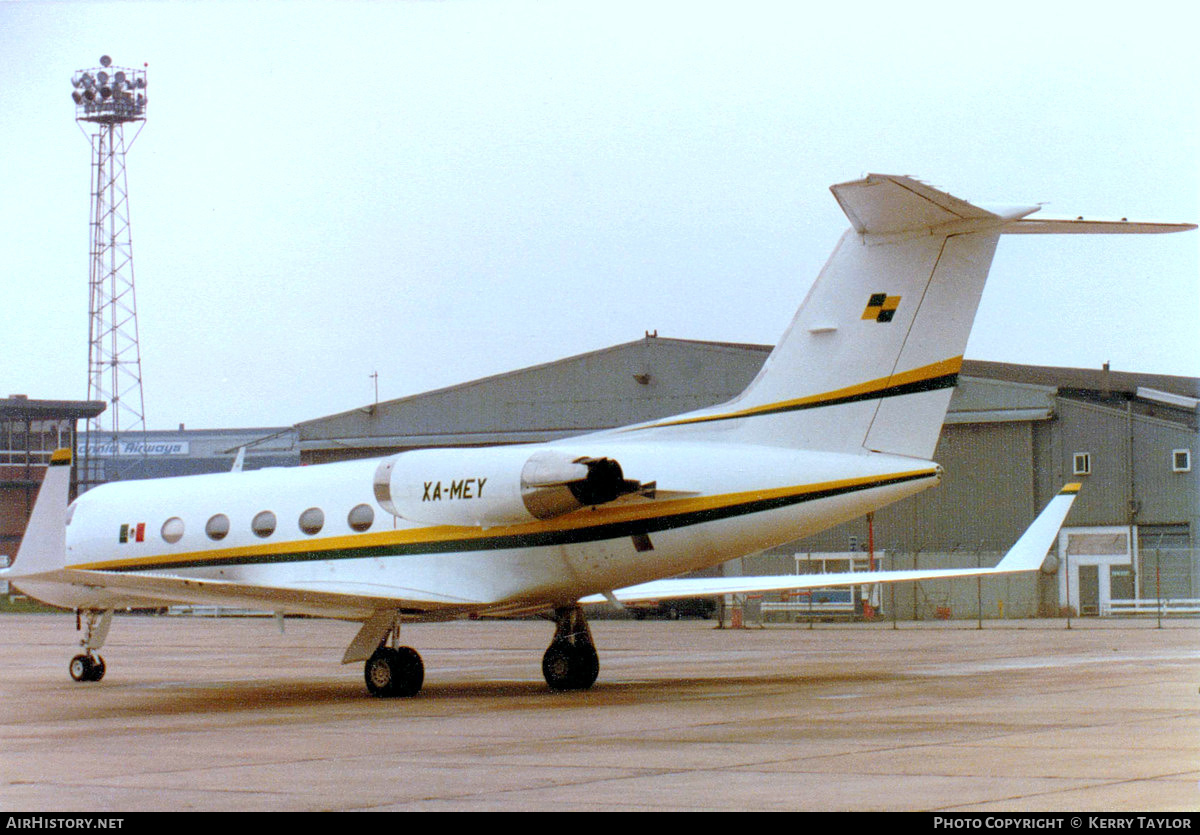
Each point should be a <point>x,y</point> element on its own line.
<point>89,666</point>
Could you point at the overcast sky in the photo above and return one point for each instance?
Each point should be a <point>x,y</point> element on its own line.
<point>442,191</point>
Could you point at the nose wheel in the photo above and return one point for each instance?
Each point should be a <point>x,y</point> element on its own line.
<point>87,668</point>
<point>88,665</point>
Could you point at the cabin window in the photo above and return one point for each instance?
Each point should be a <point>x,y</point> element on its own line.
<point>1083,463</point>
<point>263,524</point>
<point>361,518</point>
<point>1181,460</point>
<point>172,529</point>
<point>312,520</point>
<point>217,527</point>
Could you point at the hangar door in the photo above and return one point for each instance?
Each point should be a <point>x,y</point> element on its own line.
<point>1168,564</point>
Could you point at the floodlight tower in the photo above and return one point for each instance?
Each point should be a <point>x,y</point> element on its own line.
<point>108,98</point>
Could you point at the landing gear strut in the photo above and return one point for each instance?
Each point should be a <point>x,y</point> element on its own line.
<point>571,662</point>
<point>394,670</point>
<point>89,666</point>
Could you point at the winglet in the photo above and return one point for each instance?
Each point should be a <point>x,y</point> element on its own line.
<point>1029,552</point>
<point>44,546</point>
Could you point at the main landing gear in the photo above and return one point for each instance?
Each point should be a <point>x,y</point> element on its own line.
<point>394,670</point>
<point>571,662</point>
<point>89,666</point>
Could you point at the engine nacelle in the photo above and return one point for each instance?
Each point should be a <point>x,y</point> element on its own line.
<point>494,485</point>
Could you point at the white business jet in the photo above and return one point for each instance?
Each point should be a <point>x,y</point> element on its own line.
<point>841,420</point>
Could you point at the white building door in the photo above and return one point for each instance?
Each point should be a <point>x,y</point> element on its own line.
<point>1095,549</point>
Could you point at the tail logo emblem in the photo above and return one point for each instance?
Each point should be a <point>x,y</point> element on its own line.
<point>881,307</point>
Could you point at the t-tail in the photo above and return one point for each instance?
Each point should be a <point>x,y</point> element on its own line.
<point>871,358</point>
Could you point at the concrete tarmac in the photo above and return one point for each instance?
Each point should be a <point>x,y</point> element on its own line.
<point>228,714</point>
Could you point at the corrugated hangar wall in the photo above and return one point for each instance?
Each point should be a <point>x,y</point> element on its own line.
<point>970,519</point>
<point>971,509</point>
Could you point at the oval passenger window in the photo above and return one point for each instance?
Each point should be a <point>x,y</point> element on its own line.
<point>172,529</point>
<point>217,527</point>
<point>361,518</point>
<point>312,520</point>
<point>263,524</point>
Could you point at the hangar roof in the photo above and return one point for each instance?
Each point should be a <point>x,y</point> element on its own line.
<point>20,407</point>
<point>1084,379</point>
<point>656,377</point>
<point>635,381</point>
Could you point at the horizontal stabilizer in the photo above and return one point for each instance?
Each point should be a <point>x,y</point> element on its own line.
<point>1080,226</point>
<point>884,204</point>
<point>1027,555</point>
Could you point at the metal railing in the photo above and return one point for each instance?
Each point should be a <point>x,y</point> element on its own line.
<point>1165,607</point>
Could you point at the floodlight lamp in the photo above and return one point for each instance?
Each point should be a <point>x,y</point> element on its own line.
<point>119,77</point>
<point>87,80</point>
<point>102,77</point>
<point>78,98</point>
<point>105,60</point>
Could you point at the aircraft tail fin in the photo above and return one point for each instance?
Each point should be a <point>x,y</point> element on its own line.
<point>869,361</point>
<point>871,358</point>
<point>44,546</point>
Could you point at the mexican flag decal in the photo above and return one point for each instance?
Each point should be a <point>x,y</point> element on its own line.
<point>132,533</point>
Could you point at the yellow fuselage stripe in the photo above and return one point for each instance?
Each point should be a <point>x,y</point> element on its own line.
<point>582,519</point>
<point>879,386</point>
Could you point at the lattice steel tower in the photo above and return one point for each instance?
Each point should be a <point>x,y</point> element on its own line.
<point>109,98</point>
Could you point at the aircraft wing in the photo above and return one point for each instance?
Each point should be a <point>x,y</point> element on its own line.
<point>351,601</point>
<point>1027,554</point>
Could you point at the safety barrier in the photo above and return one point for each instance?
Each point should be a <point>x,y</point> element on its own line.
<point>1170,606</point>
